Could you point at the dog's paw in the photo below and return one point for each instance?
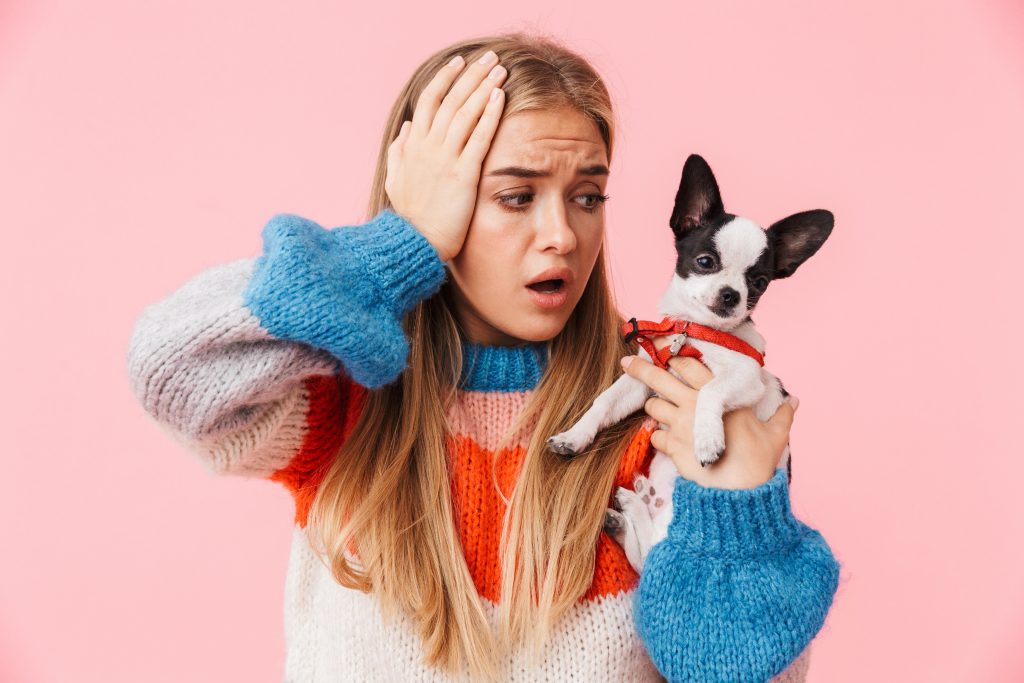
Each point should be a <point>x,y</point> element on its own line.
<point>630,503</point>
<point>615,525</point>
<point>708,442</point>
<point>648,494</point>
<point>568,443</point>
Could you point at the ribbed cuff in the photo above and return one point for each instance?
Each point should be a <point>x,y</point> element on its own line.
<point>731,524</point>
<point>405,266</point>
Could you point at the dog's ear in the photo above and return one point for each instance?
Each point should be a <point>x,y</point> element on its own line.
<point>796,238</point>
<point>697,199</point>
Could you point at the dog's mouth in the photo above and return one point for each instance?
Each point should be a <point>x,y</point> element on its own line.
<point>548,286</point>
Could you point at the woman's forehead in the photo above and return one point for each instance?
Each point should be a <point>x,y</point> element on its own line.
<point>541,139</point>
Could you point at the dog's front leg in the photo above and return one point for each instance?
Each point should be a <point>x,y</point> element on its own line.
<point>625,396</point>
<point>737,387</point>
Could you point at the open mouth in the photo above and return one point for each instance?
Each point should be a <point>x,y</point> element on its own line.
<point>548,286</point>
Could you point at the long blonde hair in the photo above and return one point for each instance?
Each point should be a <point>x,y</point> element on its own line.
<point>386,495</point>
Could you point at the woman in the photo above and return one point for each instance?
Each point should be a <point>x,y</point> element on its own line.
<point>400,378</point>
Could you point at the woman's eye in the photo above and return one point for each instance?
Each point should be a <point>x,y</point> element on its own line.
<point>519,200</point>
<point>705,261</point>
<point>510,202</point>
<point>595,200</point>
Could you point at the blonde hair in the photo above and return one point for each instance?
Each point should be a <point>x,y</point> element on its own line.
<point>386,496</point>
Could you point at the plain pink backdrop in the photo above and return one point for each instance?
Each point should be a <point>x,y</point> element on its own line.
<point>143,142</point>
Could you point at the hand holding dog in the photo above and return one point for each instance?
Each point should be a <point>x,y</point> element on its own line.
<point>753,448</point>
<point>434,164</point>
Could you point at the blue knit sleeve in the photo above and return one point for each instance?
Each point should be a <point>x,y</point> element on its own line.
<point>737,589</point>
<point>345,289</point>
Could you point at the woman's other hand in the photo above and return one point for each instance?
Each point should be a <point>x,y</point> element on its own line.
<point>753,448</point>
<point>434,165</point>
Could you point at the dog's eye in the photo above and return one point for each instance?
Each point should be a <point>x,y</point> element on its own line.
<point>759,283</point>
<point>705,261</point>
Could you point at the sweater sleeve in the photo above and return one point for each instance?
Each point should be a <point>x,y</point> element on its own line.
<point>246,360</point>
<point>738,588</point>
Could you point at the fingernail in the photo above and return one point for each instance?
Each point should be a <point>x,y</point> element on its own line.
<point>456,61</point>
<point>626,360</point>
<point>794,401</point>
<point>489,57</point>
<point>496,71</point>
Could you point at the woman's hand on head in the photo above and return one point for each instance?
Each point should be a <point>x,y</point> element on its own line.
<point>753,448</point>
<point>434,165</point>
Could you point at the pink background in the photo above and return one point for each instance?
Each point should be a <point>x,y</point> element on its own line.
<point>143,142</point>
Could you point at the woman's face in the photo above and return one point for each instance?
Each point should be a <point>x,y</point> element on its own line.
<point>536,229</point>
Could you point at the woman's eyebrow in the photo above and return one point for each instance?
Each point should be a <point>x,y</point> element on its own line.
<point>521,172</point>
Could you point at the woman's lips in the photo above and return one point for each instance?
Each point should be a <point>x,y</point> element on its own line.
<point>549,294</point>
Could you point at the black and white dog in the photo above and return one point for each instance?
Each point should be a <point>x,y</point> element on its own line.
<point>724,265</point>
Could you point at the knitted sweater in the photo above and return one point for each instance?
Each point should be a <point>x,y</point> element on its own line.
<point>259,367</point>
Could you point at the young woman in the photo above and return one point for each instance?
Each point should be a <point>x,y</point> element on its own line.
<point>401,376</point>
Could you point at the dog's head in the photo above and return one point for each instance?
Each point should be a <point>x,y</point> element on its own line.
<point>725,262</point>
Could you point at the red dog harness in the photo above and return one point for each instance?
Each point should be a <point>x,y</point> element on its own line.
<point>644,331</point>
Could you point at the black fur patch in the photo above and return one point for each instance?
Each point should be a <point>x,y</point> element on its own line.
<point>697,241</point>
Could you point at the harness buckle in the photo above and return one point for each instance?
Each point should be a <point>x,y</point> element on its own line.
<point>679,339</point>
<point>634,333</point>
<point>677,343</point>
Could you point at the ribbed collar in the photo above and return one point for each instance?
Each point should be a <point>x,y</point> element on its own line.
<point>502,368</point>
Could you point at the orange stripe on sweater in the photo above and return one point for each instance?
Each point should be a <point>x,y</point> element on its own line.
<point>334,405</point>
<point>479,510</point>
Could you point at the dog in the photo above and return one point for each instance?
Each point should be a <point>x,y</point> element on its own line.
<point>723,267</point>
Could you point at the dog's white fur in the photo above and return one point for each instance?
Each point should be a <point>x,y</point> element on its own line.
<point>738,381</point>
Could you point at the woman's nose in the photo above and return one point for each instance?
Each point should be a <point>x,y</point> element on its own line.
<point>554,231</point>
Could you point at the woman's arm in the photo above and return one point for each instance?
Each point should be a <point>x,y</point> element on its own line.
<point>251,361</point>
<point>739,587</point>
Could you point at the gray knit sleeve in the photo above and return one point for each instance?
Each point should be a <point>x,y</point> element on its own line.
<point>203,367</point>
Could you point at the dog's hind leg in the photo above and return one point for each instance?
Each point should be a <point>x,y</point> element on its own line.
<point>621,529</point>
<point>634,509</point>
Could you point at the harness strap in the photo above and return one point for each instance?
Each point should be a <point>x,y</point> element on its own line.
<point>644,331</point>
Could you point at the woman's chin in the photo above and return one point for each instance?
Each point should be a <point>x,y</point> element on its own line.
<point>537,328</point>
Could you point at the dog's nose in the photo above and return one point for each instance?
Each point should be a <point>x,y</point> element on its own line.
<point>728,297</point>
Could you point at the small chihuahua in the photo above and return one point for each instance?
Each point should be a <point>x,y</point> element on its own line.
<point>724,265</point>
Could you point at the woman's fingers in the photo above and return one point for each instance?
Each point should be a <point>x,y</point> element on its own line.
<point>468,117</point>
<point>661,381</point>
<point>660,409</point>
<point>479,142</point>
<point>395,148</point>
<point>659,439</point>
<point>465,95</point>
<point>690,370</point>
<point>782,420</point>
<point>430,99</point>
